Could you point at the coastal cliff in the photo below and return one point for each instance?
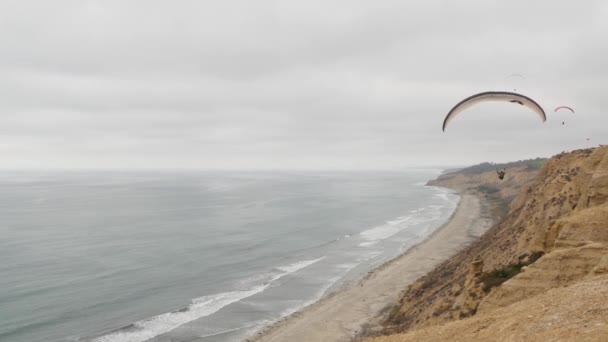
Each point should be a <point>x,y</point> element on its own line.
<point>540,273</point>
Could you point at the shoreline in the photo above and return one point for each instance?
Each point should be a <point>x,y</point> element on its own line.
<point>352,309</point>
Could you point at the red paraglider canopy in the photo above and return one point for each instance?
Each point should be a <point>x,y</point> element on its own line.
<point>564,107</point>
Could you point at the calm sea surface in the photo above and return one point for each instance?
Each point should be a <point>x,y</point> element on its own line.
<point>194,256</point>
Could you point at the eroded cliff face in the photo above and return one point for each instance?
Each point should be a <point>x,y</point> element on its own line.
<point>565,215</point>
<point>555,235</point>
<point>577,313</point>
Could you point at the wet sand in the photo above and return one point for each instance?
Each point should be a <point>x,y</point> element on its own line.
<point>343,314</point>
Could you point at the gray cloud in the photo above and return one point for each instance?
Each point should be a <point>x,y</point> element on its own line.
<point>285,84</point>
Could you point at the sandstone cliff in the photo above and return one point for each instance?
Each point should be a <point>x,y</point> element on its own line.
<point>552,243</point>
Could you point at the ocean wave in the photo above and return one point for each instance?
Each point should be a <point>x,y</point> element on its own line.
<point>203,306</point>
<point>386,230</point>
<point>346,267</point>
<point>443,196</point>
<point>367,243</point>
<point>416,217</point>
<point>291,268</point>
<point>399,220</point>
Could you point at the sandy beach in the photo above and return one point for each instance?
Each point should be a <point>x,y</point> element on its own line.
<point>343,314</point>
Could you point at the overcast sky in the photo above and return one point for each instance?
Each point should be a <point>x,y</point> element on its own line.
<point>295,84</point>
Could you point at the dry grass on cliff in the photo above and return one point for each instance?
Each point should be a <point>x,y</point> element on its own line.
<point>560,212</point>
<point>578,313</point>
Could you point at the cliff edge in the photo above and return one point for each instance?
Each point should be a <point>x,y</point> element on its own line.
<point>541,271</point>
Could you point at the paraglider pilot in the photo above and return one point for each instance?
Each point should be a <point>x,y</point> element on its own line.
<point>501,173</point>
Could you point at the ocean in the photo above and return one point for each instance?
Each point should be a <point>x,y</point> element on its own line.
<point>194,256</point>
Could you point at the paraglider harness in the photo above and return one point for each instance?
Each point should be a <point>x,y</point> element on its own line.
<point>501,173</point>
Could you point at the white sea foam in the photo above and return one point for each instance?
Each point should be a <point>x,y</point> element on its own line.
<point>320,292</point>
<point>297,266</point>
<point>367,243</point>
<point>200,307</point>
<point>386,230</point>
<point>443,196</point>
<point>348,266</point>
<point>400,220</point>
<point>416,217</point>
<point>380,232</point>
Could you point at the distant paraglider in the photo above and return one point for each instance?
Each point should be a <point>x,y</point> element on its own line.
<point>512,77</point>
<point>488,96</point>
<point>564,107</point>
<point>501,173</point>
